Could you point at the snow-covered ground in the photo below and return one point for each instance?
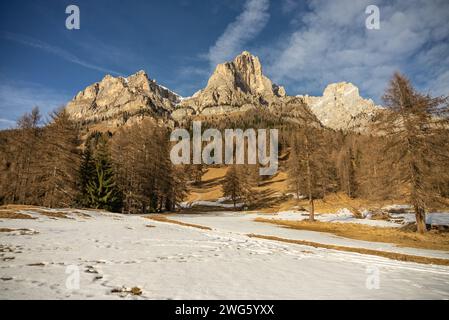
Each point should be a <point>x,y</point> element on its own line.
<point>240,223</point>
<point>169,261</point>
<point>345,216</point>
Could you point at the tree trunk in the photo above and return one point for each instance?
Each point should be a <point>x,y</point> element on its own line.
<point>420,215</point>
<point>312,209</point>
<point>309,182</point>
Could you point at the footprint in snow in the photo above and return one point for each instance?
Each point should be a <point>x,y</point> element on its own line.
<point>37,264</point>
<point>91,269</point>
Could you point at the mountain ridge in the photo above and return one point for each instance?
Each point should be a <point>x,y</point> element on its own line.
<point>234,86</point>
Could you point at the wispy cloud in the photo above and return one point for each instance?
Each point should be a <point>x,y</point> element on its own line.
<point>6,124</point>
<point>55,50</point>
<point>18,98</point>
<point>243,29</point>
<point>122,56</point>
<point>332,44</point>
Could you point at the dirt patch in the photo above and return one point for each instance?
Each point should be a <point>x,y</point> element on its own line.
<point>161,218</point>
<point>384,254</point>
<point>431,240</point>
<point>11,214</point>
<point>124,291</point>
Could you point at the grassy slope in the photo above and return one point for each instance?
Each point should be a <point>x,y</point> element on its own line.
<point>271,194</point>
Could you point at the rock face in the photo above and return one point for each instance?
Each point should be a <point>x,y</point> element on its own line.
<point>233,85</point>
<point>342,108</point>
<point>115,99</point>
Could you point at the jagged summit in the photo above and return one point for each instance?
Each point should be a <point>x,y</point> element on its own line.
<point>235,84</point>
<point>342,107</point>
<point>247,71</point>
<point>118,98</point>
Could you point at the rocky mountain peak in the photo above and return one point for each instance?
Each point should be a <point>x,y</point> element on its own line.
<point>115,99</point>
<point>233,84</point>
<point>244,73</point>
<point>342,89</point>
<point>342,107</point>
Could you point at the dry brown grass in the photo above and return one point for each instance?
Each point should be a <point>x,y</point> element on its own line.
<point>271,192</point>
<point>10,214</point>
<point>384,254</point>
<point>162,218</point>
<point>210,187</point>
<point>430,240</point>
<point>54,214</point>
<point>277,183</point>
<point>20,207</point>
<point>12,211</point>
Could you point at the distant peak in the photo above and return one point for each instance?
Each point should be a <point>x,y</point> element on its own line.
<point>140,73</point>
<point>108,76</point>
<point>246,56</point>
<point>345,88</point>
<point>246,53</point>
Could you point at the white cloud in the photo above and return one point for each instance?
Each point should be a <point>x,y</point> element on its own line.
<point>332,44</point>
<point>57,51</point>
<point>245,28</point>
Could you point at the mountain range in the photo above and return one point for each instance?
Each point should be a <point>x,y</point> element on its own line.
<point>235,86</point>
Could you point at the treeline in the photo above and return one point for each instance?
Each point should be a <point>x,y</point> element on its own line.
<point>48,165</point>
<point>39,163</point>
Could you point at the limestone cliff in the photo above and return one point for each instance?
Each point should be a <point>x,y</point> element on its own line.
<point>342,108</point>
<point>233,85</point>
<point>116,99</point>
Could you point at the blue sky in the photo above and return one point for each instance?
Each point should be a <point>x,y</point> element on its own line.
<point>303,45</point>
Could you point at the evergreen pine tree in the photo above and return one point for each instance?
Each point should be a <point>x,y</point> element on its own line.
<point>87,172</point>
<point>102,190</point>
